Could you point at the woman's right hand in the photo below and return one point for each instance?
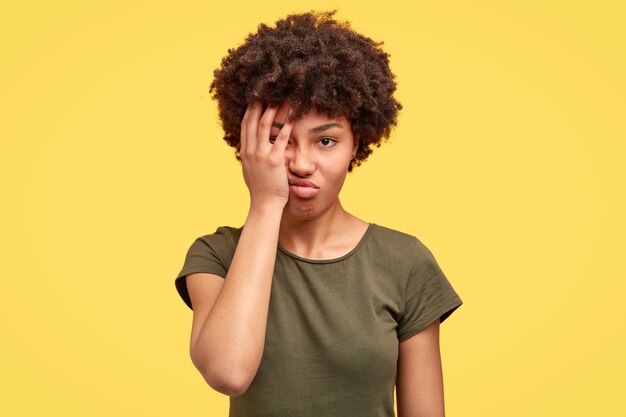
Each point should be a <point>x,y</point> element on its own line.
<point>263,162</point>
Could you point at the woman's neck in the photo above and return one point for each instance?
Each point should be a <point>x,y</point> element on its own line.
<point>330,234</point>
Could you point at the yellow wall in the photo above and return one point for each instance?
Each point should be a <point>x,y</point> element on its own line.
<point>508,163</point>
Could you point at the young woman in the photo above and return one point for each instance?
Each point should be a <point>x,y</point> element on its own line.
<point>308,310</point>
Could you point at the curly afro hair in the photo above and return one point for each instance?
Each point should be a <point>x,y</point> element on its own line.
<point>314,61</point>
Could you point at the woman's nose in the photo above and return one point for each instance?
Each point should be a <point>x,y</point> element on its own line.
<point>299,161</point>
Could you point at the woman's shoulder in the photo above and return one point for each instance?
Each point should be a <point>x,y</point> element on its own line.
<point>225,236</point>
<point>392,236</point>
<point>229,231</point>
<point>397,241</point>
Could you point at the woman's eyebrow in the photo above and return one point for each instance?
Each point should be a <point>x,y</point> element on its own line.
<point>326,126</point>
<point>316,129</point>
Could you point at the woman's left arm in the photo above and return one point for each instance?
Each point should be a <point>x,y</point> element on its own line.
<point>419,387</point>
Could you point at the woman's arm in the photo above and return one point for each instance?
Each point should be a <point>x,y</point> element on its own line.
<point>229,346</point>
<point>419,387</point>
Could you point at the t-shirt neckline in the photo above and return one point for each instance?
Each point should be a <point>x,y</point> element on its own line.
<point>328,261</point>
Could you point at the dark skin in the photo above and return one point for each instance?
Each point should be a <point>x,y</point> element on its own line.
<point>274,152</point>
<point>230,315</point>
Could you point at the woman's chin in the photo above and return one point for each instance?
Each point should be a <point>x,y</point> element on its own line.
<point>300,210</point>
<point>308,209</point>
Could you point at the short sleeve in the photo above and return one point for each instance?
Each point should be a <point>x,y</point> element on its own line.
<point>206,254</point>
<point>428,295</point>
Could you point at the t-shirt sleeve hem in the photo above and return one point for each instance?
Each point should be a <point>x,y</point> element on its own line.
<point>181,281</point>
<point>442,312</point>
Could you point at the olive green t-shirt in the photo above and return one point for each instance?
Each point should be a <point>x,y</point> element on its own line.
<point>333,326</point>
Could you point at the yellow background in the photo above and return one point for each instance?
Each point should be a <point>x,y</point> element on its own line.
<point>508,163</point>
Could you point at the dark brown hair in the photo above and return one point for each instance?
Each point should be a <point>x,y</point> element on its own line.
<point>314,61</point>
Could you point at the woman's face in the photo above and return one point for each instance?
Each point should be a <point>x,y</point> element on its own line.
<point>317,158</point>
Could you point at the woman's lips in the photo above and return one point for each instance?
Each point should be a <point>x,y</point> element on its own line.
<point>304,191</point>
<point>303,188</point>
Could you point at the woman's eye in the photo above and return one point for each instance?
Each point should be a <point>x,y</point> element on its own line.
<point>327,142</point>
<point>272,139</point>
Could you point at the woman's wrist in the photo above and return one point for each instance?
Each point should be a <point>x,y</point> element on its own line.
<point>269,207</point>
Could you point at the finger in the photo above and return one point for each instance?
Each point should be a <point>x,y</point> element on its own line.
<point>252,126</point>
<point>282,139</point>
<point>243,130</point>
<point>264,129</point>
